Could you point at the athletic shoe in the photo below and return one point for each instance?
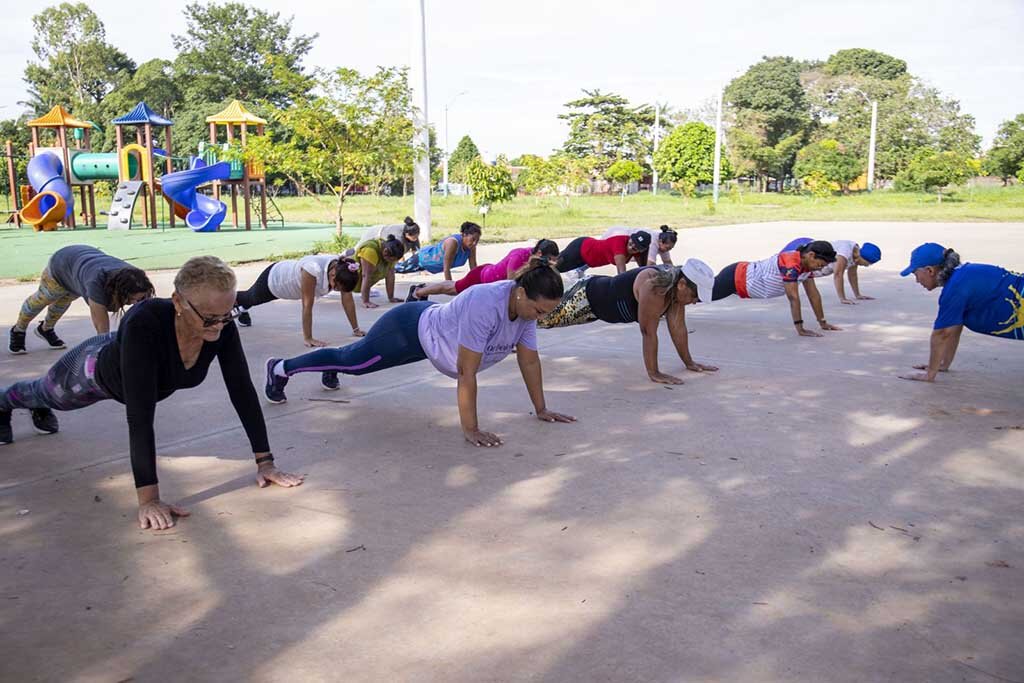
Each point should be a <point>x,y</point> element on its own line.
<point>50,337</point>
<point>274,388</point>
<point>6,433</point>
<point>330,381</point>
<point>411,296</point>
<point>17,345</point>
<point>45,421</point>
<point>244,319</point>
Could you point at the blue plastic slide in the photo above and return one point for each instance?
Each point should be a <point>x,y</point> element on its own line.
<point>54,201</point>
<point>204,213</point>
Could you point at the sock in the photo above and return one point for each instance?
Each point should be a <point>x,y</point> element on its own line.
<point>279,369</point>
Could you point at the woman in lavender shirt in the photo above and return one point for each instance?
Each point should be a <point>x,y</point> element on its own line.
<point>468,334</point>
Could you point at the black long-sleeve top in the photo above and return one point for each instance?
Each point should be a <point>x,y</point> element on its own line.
<point>143,366</point>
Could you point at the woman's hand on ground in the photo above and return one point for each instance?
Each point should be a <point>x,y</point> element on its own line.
<point>358,333</point>
<point>370,304</point>
<point>395,300</point>
<point>918,377</point>
<point>479,438</point>
<point>314,342</point>
<point>865,297</point>
<point>158,515</point>
<point>808,333</point>
<point>551,416</point>
<point>924,366</point>
<point>851,302</point>
<point>271,475</point>
<point>700,367</point>
<point>831,327</point>
<point>662,378</point>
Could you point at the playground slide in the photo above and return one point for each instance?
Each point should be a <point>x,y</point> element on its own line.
<point>53,201</point>
<point>204,214</point>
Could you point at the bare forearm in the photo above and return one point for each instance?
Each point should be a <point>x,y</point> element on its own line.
<point>840,289</point>
<point>650,350</point>
<point>467,403</point>
<point>100,320</point>
<point>365,290</point>
<point>349,305</point>
<point>533,377</point>
<point>814,297</point>
<point>307,320</point>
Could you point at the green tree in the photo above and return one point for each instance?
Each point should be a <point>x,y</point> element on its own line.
<point>862,62</point>
<point>236,51</point>
<point>687,156</point>
<point>932,170</point>
<point>464,152</point>
<point>1006,157</point>
<point>831,161</point>
<point>354,130</point>
<point>772,116</point>
<point>491,184</point>
<point>75,65</point>
<point>605,127</point>
<point>624,172</point>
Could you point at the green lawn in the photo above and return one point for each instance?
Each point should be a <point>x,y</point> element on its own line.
<point>309,221</point>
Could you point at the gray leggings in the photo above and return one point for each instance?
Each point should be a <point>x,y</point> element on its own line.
<point>70,384</point>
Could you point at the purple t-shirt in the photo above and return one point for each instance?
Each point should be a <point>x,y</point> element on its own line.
<point>512,262</point>
<point>478,320</point>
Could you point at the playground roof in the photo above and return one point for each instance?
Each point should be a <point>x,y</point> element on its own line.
<point>141,115</point>
<point>235,113</point>
<point>58,117</point>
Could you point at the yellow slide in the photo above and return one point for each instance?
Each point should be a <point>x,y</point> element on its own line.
<point>45,211</point>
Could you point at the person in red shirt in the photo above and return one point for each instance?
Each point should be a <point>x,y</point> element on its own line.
<point>594,253</point>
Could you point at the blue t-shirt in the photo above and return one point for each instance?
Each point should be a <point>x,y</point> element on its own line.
<point>985,299</point>
<point>432,256</point>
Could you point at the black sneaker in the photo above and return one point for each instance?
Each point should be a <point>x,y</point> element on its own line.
<point>17,345</point>
<point>50,337</point>
<point>45,421</point>
<point>274,387</point>
<point>411,296</point>
<point>6,434</point>
<point>329,380</point>
<point>244,319</point>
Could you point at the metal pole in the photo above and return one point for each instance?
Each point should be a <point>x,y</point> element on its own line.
<point>421,169</point>
<point>718,148</point>
<point>657,139</point>
<point>445,181</point>
<point>871,147</point>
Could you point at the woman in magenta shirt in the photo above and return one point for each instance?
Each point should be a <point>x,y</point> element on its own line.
<point>489,272</point>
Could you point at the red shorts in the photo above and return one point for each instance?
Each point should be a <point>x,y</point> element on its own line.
<point>471,278</point>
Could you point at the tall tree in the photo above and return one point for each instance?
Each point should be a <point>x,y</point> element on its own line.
<point>236,51</point>
<point>687,156</point>
<point>1006,158</point>
<point>354,130</point>
<point>605,127</point>
<point>75,66</point>
<point>861,62</point>
<point>828,160</point>
<point>464,152</point>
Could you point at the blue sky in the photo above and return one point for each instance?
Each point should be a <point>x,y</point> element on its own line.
<point>519,62</point>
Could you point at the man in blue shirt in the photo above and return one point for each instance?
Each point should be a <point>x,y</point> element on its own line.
<point>985,299</point>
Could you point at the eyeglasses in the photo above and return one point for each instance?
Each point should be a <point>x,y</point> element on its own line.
<point>210,321</point>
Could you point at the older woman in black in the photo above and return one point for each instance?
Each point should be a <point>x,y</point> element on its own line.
<point>162,345</point>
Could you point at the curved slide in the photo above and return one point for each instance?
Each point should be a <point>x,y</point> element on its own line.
<point>53,201</point>
<point>201,213</point>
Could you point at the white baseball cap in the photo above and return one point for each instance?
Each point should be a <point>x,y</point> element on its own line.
<point>700,274</point>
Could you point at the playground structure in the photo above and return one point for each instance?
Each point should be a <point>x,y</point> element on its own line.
<point>142,171</point>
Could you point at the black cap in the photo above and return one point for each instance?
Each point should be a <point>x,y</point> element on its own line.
<point>641,239</point>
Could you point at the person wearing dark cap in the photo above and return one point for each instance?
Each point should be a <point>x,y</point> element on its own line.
<point>849,256</point>
<point>644,296</point>
<point>781,274</point>
<point>984,299</point>
<point>594,253</point>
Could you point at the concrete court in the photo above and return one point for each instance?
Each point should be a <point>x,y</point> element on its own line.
<point>802,515</point>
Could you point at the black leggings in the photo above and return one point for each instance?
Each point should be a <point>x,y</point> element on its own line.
<point>571,257</point>
<point>725,283</point>
<point>259,293</point>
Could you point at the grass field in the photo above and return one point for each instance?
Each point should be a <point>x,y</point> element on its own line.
<point>309,221</point>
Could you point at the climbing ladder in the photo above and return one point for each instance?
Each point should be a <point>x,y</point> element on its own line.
<point>121,208</point>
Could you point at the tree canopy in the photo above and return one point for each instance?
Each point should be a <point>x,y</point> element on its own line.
<point>686,157</point>
<point>604,127</point>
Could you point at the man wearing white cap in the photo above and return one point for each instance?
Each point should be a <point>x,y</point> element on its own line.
<point>641,295</point>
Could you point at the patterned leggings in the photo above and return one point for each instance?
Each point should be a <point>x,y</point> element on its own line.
<point>50,293</point>
<point>574,309</point>
<point>70,384</point>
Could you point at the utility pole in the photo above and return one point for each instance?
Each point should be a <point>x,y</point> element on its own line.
<point>421,168</point>
<point>871,148</point>
<point>718,148</point>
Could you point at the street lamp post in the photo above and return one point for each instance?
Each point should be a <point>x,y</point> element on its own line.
<point>657,139</point>
<point>718,149</point>
<point>874,133</point>
<point>421,167</point>
<point>450,103</point>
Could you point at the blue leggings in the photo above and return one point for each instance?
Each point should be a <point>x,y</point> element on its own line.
<point>392,341</point>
